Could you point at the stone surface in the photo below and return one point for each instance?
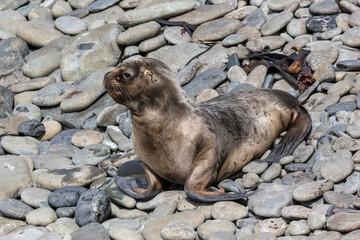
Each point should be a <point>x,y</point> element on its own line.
<point>215,29</point>
<point>312,190</point>
<point>37,32</point>
<point>274,202</point>
<point>168,9</point>
<point>69,176</point>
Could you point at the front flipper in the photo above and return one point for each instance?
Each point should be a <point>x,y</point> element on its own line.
<point>131,188</point>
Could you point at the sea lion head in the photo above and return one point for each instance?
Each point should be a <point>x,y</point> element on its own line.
<point>141,80</point>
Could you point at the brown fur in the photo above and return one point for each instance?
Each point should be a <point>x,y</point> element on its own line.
<point>198,145</point>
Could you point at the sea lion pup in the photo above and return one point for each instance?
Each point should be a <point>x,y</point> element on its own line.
<point>200,144</point>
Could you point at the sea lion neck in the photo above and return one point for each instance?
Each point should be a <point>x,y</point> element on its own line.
<point>163,100</point>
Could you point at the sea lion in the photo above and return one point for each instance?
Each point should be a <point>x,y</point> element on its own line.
<point>199,144</point>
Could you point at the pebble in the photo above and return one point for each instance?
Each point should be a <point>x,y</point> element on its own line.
<point>28,110</point>
<point>69,176</point>
<point>16,170</point>
<point>160,199</point>
<point>204,13</point>
<point>321,23</point>
<point>70,25</point>
<point>61,8</point>
<point>14,208</point>
<point>192,218</point>
<point>41,216</point>
<point>91,231</point>
<point>65,197</point>
<point>295,212</point>
<point>340,200</point>
<point>207,79</point>
<point>312,190</point>
<point>276,226</point>
<point>215,29</point>
<point>175,35</point>
<point>326,7</point>
<point>177,230</point>
<point>86,93</point>
<point>123,233</point>
<point>257,76</point>
<point>276,23</point>
<point>27,232</point>
<point>20,145</point>
<point>52,128</point>
<point>33,84</point>
<point>138,33</point>
<point>343,222</point>
<point>349,38</point>
<point>34,196</point>
<point>63,225</point>
<point>86,137</point>
<point>228,210</point>
<point>32,128</point>
<point>336,171</point>
<point>274,202</point>
<point>211,226</point>
<point>159,10</point>
<point>257,167</point>
<point>37,32</point>
<point>255,19</point>
<point>296,27</point>
<point>271,172</point>
<point>298,228</point>
<point>236,73</point>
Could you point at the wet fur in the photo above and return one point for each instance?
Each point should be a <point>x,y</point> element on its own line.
<point>198,145</point>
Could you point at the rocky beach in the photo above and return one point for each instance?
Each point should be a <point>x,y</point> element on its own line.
<point>63,138</point>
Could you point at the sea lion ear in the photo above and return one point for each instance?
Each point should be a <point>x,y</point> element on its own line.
<point>149,74</point>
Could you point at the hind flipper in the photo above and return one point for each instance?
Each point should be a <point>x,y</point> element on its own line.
<point>299,129</point>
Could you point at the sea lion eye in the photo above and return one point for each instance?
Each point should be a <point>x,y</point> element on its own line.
<point>127,74</point>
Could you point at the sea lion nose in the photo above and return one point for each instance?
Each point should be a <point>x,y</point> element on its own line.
<point>106,74</point>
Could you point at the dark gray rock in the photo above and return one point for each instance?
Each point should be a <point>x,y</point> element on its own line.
<point>64,136</point>
<point>33,128</point>
<point>233,61</point>
<point>13,208</point>
<point>66,212</point>
<point>100,5</point>
<point>93,206</point>
<point>10,62</point>
<point>91,231</point>
<point>207,79</point>
<point>255,19</point>
<point>321,23</point>
<point>341,106</point>
<point>66,196</point>
<point>349,65</point>
<point>6,102</point>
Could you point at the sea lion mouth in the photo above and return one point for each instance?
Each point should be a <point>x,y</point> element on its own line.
<point>116,91</point>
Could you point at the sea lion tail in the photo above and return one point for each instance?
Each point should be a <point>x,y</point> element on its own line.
<point>299,129</point>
